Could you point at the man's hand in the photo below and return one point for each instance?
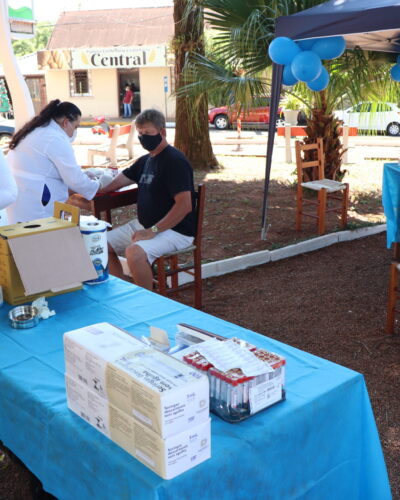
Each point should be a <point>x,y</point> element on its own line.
<point>143,234</point>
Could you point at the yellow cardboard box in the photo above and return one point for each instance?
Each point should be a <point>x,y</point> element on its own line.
<point>43,257</point>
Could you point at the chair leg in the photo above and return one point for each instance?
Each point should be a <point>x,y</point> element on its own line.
<point>198,283</point>
<point>161,277</point>
<point>299,207</point>
<point>345,205</point>
<point>174,267</point>
<point>321,211</point>
<point>392,298</point>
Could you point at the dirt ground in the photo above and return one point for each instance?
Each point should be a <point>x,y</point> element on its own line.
<point>331,302</point>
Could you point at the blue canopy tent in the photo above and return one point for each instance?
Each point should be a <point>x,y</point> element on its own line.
<point>368,24</point>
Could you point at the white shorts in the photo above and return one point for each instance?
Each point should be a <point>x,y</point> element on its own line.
<point>162,243</point>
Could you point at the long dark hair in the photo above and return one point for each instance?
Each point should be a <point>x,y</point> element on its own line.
<point>54,110</point>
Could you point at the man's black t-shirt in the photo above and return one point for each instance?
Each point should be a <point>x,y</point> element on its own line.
<point>159,179</point>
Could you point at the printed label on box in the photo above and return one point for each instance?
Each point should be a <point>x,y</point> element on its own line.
<point>265,393</point>
<point>167,457</point>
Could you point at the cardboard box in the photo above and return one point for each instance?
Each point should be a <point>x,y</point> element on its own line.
<point>165,394</point>
<point>166,457</point>
<point>43,257</point>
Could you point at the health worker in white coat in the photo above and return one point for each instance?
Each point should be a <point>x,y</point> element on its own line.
<point>43,163</point>
<point>8,188</point>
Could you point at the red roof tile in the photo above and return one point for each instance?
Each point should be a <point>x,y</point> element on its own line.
<point>113,27</point>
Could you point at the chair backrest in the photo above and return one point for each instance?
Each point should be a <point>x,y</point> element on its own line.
<point>310,156</point>
<point>114,134</point>
<point>200,196</point>
<point>130,130</point>
<point>112,150</point>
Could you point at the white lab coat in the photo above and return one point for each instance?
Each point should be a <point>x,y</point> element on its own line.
<point>44,166</point>
<point>8,186</point>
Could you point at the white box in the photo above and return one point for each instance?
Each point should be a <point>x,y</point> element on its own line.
<point>163,393</point>
<point>166,457</point>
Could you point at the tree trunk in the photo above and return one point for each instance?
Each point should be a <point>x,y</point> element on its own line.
<point>191,132</point>
<point>324,124</point>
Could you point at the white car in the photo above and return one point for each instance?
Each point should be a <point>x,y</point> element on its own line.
<point>377,117</point>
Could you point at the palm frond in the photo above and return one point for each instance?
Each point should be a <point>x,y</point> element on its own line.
<point>223,85</point>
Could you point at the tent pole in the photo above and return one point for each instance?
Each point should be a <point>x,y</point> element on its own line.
<point>277,71</point>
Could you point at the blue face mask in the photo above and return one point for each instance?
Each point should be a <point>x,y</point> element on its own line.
<point>150,142</point>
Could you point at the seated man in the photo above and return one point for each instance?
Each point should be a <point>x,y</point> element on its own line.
<point>165,204</point>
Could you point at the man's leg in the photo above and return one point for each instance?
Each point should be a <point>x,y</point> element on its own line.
<point>139,266</point>
<point>114,265</point>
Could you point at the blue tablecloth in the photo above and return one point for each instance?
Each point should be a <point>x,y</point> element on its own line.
<point>321,443</point>
<point>391,201</point>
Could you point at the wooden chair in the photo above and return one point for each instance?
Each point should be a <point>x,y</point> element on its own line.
<point>324,187</point>
<point>169,266</point>
<point>392,296</point>
<point>108,150</point>
<point>393,292</point>
<point>128,145</point>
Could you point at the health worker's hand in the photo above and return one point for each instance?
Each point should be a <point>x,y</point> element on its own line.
<point>143,234</point>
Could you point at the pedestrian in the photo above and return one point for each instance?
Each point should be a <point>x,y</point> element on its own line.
<point>43,163</point>
<point>127,101</point>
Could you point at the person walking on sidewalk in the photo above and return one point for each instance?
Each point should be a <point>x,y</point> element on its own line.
<point>127,101</point>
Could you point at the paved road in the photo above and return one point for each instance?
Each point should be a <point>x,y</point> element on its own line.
<point>254,143</point>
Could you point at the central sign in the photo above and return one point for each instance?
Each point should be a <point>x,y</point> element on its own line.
<point>118,57</point>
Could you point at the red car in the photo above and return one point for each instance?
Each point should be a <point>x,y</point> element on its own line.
<point>223,117</point>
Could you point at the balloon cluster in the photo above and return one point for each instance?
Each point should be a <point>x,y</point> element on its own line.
<point>395,71</point>
<point>302,60</point>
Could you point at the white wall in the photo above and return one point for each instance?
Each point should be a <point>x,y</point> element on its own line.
<point>152,90</point>
<point>104,90</point>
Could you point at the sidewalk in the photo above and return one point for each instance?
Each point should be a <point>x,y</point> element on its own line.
<point>254,143</point>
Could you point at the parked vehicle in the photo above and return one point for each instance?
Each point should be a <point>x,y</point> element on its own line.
<point>224,117</point>
<point>6,130</point>
<point>377,117</point>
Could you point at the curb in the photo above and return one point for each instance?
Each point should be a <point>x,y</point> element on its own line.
<point>241,262</point>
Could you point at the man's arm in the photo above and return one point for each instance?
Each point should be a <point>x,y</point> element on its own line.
<point>120,181</point>
<point>181,207</point>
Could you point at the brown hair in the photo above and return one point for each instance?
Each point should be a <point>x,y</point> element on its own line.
<point>54,110</point>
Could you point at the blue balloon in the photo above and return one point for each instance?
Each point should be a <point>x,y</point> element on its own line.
<point>321,82</point>
<point>329,47</point>
<point>306,44</point>
<point>306,66</point>
<point>398,60</point>
<point>282,50</point>
<point>395,72</point>
<point>288,78</point>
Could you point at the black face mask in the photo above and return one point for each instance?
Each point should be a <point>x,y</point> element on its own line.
<point>150,142</point>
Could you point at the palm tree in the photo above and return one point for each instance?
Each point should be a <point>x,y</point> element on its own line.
<point>372,83</point>
<point>191,131</point>
<point>243,32</point>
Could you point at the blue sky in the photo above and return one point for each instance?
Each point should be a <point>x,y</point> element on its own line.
<point>44,10</point>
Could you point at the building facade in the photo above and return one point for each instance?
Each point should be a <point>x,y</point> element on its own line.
<point>93,55</point>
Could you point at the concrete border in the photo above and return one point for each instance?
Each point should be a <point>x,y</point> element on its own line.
<point>241,262</point>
